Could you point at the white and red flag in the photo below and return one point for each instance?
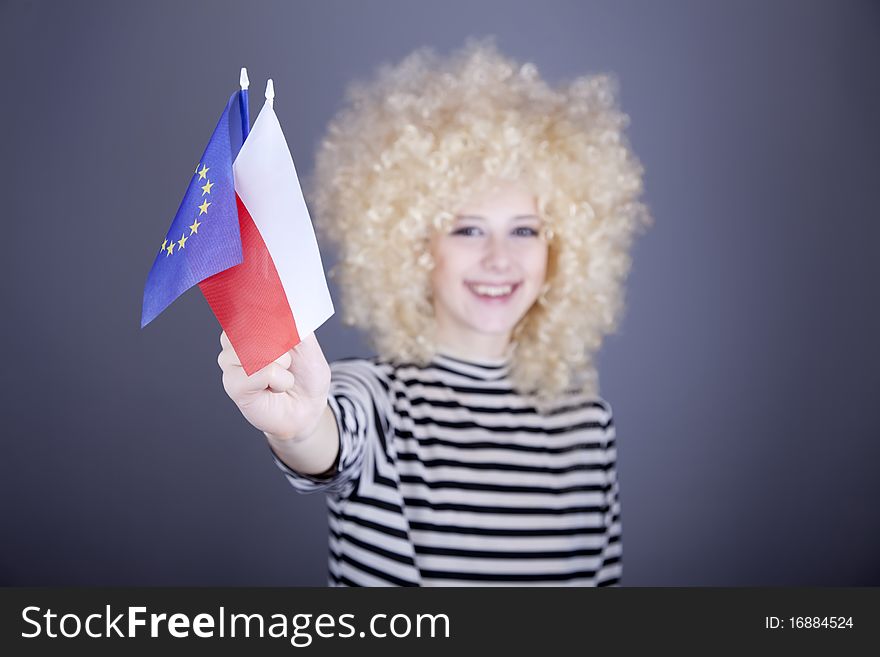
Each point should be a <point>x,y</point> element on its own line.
<point>278,293</point>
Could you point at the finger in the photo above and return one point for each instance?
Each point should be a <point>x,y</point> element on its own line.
<point>284,360</point>
<point>228,358</point>
<point>224,340</point>
<point>272,376</point>
<point>235,383</point>
<point>279,379</point>
<point>308,348</point>
<point>239,385</point>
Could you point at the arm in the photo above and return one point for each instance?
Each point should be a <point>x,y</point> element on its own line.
<point>314,454</point>
<point>611,569</point>
<point>358,411</point>
<point>288,401</point>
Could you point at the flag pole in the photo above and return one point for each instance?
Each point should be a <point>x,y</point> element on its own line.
<point>270,93</point>
<point>243,101</point>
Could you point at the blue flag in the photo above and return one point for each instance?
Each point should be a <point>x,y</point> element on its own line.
<point>204,237</point>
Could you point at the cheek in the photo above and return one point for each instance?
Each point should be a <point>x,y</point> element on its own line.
<point>450,266</point>
<point>444,281</point>
<point>536,264</point>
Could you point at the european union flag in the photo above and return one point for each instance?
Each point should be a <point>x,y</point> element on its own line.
<point>204,237</point>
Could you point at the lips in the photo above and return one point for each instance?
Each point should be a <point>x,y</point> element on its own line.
<point>492,291</point>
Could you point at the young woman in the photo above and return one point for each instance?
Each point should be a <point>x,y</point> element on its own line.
<point>484,222</point>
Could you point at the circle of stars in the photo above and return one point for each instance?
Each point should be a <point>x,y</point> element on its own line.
<point>169,246</point>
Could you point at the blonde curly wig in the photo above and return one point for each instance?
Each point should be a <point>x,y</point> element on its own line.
<point>423,136</point>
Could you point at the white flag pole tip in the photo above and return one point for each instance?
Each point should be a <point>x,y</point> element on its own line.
<point>270,92</point>
<point>243,80</point>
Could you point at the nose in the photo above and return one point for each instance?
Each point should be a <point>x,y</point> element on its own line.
<point>496,257</point>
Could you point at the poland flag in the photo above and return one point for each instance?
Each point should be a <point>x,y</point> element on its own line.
<point>279,293</point>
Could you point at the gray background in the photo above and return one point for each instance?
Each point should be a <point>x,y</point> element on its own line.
<point>744,378</point>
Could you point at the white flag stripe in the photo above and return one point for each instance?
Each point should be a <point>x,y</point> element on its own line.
<point>266,181</point>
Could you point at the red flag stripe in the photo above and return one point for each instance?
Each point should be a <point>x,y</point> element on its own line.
<point>249,301</point>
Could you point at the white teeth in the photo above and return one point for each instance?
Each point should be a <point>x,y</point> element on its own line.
<point>492,290</point>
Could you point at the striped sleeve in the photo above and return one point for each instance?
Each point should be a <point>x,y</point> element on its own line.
<point>355,400</point>
<point>611,570</point>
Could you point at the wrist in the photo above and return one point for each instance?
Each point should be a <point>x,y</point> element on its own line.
<point>300,436</point>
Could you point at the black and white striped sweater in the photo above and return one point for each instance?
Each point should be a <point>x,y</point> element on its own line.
<point>447,477</point>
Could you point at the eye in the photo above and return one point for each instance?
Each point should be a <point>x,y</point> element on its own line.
<point>525,231</point>
<point>467,231</point>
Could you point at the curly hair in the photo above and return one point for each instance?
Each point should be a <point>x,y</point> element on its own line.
<point>427,133</point>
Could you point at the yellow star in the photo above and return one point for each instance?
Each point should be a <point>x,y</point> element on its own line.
<point>182,240</point>
<point>203,173</point>
<point>206,188</point>
<point>170,248</point>
<point>194,228</point>
<point>164,244</point>
<point>204,208</point>
<point>197,167</point>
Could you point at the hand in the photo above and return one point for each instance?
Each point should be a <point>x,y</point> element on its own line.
<point>286,398</point>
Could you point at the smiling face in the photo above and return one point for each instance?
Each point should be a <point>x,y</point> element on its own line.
<point>489,269</point>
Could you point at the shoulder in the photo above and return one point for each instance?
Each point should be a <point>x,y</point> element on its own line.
<point>584,392</point>
<point>379,369</point>
<point>367,374</point>
<point>372,365</point>
<point>603,410</point>
<point>368,366</point>
<point>364,384</point>
<point>582,406</point>
<point>605,406</point>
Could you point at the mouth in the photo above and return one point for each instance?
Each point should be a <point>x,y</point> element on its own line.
<point>493,292</point>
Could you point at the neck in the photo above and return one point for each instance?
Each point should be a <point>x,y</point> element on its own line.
<point>479,348</point>
<point>458,342</point>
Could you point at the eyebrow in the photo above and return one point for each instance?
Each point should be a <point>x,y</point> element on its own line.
<point>518,217</point>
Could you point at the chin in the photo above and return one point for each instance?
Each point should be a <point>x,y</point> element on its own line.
<point>486,324</point>
<point>498,314</point>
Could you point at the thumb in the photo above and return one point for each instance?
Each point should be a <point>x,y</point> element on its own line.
<point>307,351</point>
<point>284,360</point>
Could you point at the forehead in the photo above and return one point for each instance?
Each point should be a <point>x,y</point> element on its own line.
<point>501,198</point>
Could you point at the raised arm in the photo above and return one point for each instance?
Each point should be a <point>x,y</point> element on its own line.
<point>287,401</point>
